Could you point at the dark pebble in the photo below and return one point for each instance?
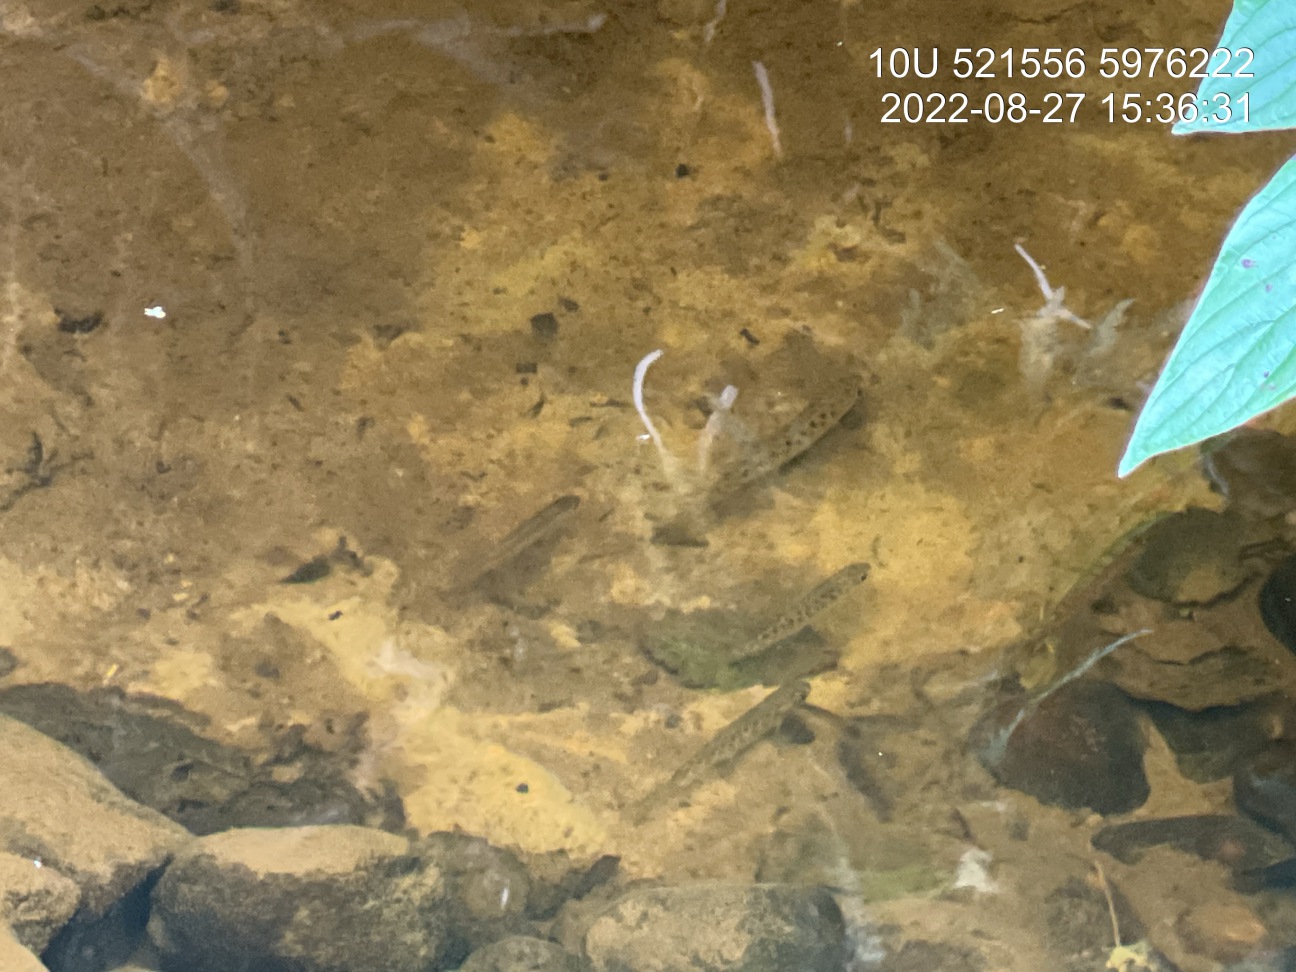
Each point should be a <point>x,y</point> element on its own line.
<point>1264,787</point>
<point>544,325</point>
<point>1274,877</point>
<point>314,569</point>
<point>1208,745</point>
<point>72,324</point>
<point>1237,842</point>
<point>1278,603</point>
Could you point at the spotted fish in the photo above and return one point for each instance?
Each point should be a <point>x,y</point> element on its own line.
<point>722,749</point>
<point>810,425</point>
<point>804,610</point>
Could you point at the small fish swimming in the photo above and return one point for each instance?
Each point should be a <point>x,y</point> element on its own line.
<point>533,530</point>
<point>722,749</point>
<point>809,426</point>
<point>804,610</point>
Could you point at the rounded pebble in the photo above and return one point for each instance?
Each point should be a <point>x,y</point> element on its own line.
<point>1224,932</point>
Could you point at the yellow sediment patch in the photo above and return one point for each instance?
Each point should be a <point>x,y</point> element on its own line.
<point>919,597</point>
<point>18,591</point>
<point>180,674</point>
<point>456,778</point>
<point>453,769</point>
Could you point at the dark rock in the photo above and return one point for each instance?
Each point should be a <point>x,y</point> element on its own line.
<point>487,891</point>
<point>1264,786</point>
<point>1208,745</point>
<point>1255,469</point>
<point>544,325</point>
<point>557,879</point>
<point>147,749</point>
<point>1235,841</point>
<point>303,899</point>
<point>1278,603</point>
<point>1273,877</point>
<point>91,943</point>
<point>719,928</point>
<point>521,954</point>
<point>1079,747</point>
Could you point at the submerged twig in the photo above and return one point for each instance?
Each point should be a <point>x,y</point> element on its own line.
<point>711,26</point>
<point>1039,340</point>
<point>714,423</point>
<point>767,102</point>
<point>998,748</point>
<point>1054,306</point>
<point>680,480</point>
<point>637,394</point>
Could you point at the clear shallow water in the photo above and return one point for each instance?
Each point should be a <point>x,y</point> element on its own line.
<point>408,258</point>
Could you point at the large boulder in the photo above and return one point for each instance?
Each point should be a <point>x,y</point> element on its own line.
<point>59,816</point>
<point>305,899</point>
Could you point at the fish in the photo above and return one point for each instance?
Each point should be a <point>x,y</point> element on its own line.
<point>804,611</point>
<point>807,428</point>
<point>723,749</point>
<point>532,531</point>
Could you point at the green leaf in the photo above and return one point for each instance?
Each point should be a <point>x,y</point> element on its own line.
<point>1268,29</point>
<point>1236,357</point>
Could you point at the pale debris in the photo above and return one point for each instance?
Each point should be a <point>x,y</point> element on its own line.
<point>767,101</point>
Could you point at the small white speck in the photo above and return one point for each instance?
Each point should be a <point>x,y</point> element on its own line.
<point>157,312</point>
<point>974,872</point>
